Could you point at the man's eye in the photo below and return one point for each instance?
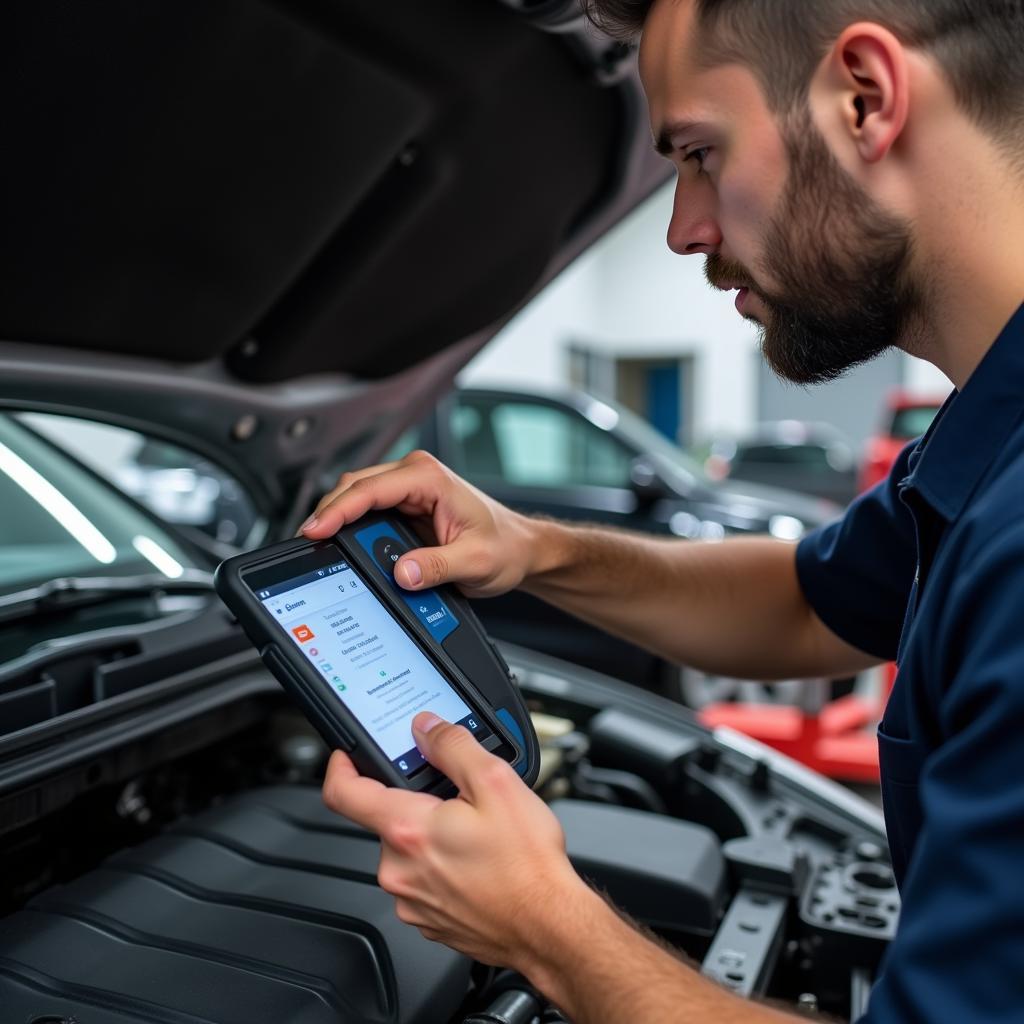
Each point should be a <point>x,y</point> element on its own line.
<point>698,156</point>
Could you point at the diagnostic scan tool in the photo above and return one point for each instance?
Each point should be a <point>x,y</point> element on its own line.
<point>363,657</point>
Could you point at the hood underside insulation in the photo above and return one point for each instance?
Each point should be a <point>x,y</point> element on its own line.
<point>294,187</point>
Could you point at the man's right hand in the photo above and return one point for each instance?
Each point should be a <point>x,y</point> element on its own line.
<point>482,546</point>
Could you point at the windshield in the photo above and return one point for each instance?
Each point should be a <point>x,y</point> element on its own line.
<point>645,438</point>
<point>59,520</point>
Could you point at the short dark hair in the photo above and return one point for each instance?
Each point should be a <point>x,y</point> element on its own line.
<point>978,43</point>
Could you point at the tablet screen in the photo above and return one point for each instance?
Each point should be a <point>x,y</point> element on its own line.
<point>368,660</point>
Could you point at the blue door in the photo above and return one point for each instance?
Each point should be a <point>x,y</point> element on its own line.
<point>663,398</point>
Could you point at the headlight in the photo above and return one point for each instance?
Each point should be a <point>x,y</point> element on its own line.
<point>786,527</point>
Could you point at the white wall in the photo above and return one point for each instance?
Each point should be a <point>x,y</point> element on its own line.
<point>631,296</point>
<point>924,379</point>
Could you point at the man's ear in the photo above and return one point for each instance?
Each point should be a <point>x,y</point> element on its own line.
<point>862,89</point>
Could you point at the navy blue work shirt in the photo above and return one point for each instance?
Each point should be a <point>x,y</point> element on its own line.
<point>928,569</point>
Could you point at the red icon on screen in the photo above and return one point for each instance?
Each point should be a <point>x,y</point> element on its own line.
<point>303,633</point>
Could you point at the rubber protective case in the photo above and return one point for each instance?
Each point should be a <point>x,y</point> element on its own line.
<point>441,618</point>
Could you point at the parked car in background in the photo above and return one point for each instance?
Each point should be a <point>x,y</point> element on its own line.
<point>904,418</point>
<point>573,455</point>
<point>811,458</point>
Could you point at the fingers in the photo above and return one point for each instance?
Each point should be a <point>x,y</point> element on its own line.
<point>413,484</point>
<point>481,546</point>
<point>345,481</point>
<point>410,912</point>
<point>454,750</point>
<point>424,568</point>
<point>353,795</point>
<point>395,814</point>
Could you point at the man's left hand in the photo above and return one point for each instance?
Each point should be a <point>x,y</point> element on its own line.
<point>486,872</point>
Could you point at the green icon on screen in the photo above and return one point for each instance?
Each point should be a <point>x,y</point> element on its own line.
<point>383,674</point>
<point>340,686</point>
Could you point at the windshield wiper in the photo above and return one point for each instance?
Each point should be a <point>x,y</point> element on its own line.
<point>67,592</point>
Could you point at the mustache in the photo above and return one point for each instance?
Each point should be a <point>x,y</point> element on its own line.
<point>723,274</point>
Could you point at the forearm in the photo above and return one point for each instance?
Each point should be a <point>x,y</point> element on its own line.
<point>732,608</point>
<point>597,969</point>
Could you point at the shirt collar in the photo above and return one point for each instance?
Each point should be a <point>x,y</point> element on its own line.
<point>972,426</point>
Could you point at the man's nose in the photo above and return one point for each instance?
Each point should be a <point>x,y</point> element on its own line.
<point>693,228</point>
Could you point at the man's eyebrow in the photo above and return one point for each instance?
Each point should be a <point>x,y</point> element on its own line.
<point>663,140</point>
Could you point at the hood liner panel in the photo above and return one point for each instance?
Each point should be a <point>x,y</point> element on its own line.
<point>295,187</point>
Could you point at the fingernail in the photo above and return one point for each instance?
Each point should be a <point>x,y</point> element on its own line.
<point>426,721</point>
<point>413,573</point>
<point>309,523</point>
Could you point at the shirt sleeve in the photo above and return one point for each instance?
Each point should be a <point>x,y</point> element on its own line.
<point>857,572</point>
<point>959,951</point>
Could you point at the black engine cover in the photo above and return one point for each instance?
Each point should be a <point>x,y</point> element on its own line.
<point>263,909</point>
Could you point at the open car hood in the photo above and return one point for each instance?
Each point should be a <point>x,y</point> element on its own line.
<point>273,230</point>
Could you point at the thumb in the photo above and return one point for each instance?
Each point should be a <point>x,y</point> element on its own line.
<point>424,568</point>
<point>454,750</point>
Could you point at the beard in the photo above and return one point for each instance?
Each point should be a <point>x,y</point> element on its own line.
<point>842,263</point>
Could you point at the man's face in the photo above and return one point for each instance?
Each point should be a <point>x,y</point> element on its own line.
<point>820,267</point>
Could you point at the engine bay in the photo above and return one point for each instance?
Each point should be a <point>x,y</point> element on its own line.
<point>175,862</point>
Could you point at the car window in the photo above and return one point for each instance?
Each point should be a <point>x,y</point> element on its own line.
<point>59,520</point>
<point>912,422</point>
<point>407,441</point>
<point>808,457</point>
<point>533,444</point>
<point>181,487</point>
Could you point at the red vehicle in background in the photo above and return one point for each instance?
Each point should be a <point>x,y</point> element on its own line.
<point>837,736</point>
<point>906,417</point>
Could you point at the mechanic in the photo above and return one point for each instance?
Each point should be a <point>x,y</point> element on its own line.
<point>856,169</point>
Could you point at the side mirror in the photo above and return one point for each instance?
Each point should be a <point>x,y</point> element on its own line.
<point>646,482</point>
